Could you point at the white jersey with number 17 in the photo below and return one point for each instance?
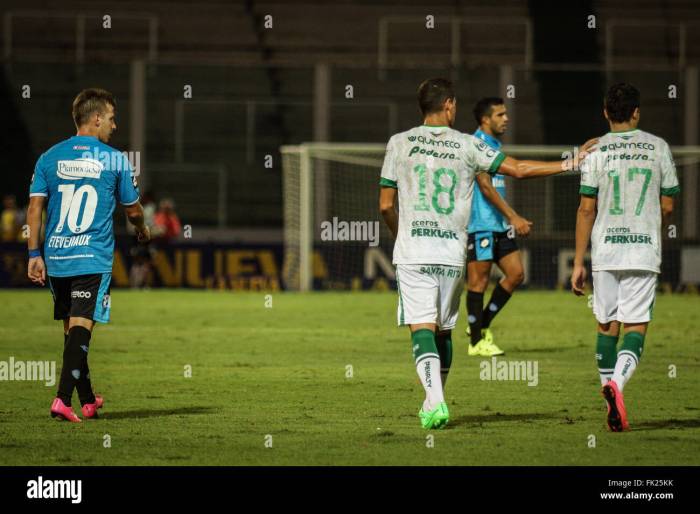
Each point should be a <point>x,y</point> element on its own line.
<point>433,169</point>
<point>628,173</point>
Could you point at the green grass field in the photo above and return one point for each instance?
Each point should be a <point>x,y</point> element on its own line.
<point>281,371</point>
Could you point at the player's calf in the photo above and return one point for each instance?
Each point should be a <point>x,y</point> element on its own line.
<point>443,343</point>
<point>606,355</point>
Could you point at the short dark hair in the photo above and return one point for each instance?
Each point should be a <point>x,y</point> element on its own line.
<point>88,102</point>
<point>483,107</point>
<point>621,101</point>
<point>432,94</point>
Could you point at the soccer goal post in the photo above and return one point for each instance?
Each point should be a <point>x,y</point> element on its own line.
<point>334,237</point>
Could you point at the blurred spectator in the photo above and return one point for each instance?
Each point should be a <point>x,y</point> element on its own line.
<point>166,224</point>
<point>10,220</point>
<point>149,207</point>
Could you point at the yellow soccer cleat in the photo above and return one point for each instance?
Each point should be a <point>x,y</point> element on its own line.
<point>484,348</point>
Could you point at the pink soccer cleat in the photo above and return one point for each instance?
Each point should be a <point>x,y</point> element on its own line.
<point>617,415</point>
<point>61,411</point>
<point>90,409</point>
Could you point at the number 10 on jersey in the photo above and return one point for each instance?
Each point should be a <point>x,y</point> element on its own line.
<point>72,205</point>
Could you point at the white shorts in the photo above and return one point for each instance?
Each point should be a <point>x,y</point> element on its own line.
<point>429,293</point>
<point>626,296</point>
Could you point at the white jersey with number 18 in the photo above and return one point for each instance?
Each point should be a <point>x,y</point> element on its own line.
<point>433,169</point>
<point>628,173</point>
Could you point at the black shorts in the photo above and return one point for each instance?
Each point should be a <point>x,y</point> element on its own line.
<point>81,296</point>
<point>489,246</point>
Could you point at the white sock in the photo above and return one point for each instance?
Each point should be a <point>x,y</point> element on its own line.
<point>624,368</point>
<point>428,368</point>
<point>605,376</point>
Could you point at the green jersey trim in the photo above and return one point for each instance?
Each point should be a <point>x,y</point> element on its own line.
<point>497,163</point>
<point>385,182</point>
<point>670,191</point>
<point>588,191</point>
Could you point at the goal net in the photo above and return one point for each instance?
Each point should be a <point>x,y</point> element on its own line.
<point>334,237</point>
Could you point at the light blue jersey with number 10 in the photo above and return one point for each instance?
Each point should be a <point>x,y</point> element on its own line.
<point>82,179</point>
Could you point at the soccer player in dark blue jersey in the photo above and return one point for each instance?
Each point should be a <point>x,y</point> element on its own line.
<point>490,237</point>
<point>80,180</point>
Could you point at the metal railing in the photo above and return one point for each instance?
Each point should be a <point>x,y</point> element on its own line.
<point>251,113</point>
<point>615,23</point>
<point>455,23</point>
<point>80,18</point>
<point>163,173</point>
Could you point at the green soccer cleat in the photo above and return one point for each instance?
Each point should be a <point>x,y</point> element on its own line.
<point>436,418</point>
<point>484,348</point>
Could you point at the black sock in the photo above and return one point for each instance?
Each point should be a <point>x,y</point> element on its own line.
<point>475,306</point>
<point>498,299</point>
<point>443,343</point>
<point>73,355</point>
<point>83,385</point>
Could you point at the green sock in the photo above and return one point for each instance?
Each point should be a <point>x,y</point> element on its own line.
<point>633,342</point>
<point>606,356</point>
<point>443,342</point>
<point>628,358</point>
<point>428,366</point>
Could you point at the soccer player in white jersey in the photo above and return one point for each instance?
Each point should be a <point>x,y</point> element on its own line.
<point>626,188</point>
<point>431,169</point>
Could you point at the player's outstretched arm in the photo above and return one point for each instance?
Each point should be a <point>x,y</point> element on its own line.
<point>36,269</point>
<point>134,213</point>
<point>520,224</point>
<point>522,169</point>
<point>585,218</point>
<point>387,206</point>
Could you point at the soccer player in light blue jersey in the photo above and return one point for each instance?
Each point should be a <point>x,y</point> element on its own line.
<point>80,180</point>
<point>490,237</point>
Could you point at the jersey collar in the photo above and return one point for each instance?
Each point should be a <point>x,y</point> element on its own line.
<point>487,138</point>
<point>616,132</point>
<point>436,129</point>
<point>84,137</point>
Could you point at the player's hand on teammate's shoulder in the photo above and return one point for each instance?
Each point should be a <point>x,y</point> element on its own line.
<point>586,149</point>
<point>578,279</point>
<point>589,146</point>
<point>36,270</point>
